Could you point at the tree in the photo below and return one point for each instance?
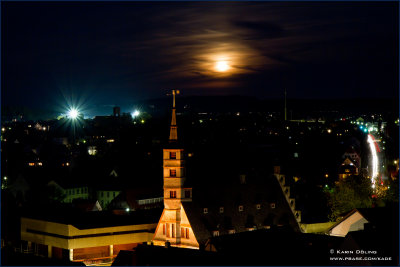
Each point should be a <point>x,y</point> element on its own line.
<point>350,193</point>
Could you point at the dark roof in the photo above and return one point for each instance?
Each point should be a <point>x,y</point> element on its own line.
<point>95,219</point>
<point>148,255</point>
<point>232,196</point>
<point>278,246</point>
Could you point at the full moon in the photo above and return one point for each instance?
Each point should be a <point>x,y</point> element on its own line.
<point>222,66</point>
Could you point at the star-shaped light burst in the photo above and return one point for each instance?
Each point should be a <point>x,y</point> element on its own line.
<point>73,113</point>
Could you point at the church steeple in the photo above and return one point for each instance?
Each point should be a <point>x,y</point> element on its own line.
<point>173,132</point>
<point>174,226</point>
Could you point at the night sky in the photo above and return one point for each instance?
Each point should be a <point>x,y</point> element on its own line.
<point>101,54</point>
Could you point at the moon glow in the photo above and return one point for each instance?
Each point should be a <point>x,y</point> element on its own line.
<point>222,66</point>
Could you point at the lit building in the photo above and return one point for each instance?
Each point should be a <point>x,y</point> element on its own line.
<point>347,169</point>
<point>174,226</point>
<point>189,218</point>
<point>92,238</point>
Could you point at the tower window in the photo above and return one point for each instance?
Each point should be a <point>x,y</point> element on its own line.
<point>172,173</point>
<point>182,232</point>
<point>172,155</point>
<point>205,210</point>
<point>258,206</point>
<point>240,208</point>
<point>167,227</point>
<point>172,194</point>
<point>163,229</point>
<point>187,233</point>
<point>187,193</point>
<point>172,230</point>
<point>215,233</point>
<point>221,209</point>
<point>272,205</point>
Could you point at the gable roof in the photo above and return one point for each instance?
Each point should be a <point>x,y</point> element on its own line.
<point>249,195</point>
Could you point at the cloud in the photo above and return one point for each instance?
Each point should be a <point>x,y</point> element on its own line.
<point>256,30</point>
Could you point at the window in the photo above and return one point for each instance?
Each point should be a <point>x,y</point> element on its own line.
<point>205,210</point>
<point>113,194</point>
<point>172,194</point>
<point>172,230</point>
<point>241,208</point>
<point>215,233</point>
<point>167,226</point>
<point>258,206</point>
<point>187,233</point>
<point>172,155</point>
<point>272,205</point>
<point>102,194</point>
<point>172,173</point>
<point>163,229</point>
<point>182,232</point>
<point>221,209</point>
<point>232,231</point>
<point>187,193</point>
<point>108,194</point>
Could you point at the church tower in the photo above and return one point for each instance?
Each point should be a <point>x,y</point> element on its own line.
<point>174,226</point>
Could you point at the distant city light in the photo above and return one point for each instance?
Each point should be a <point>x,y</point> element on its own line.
<point>92,150</point>
<point>5,177</point>
<point>73,113</point>
<point>142,121</point>
<point>329,131</point>
<point>127,209</point>
<point>135,113</point>
<point>3,129</point>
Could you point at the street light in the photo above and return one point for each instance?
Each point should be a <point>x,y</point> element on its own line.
<point>135,113</point>
<point>73,113</point>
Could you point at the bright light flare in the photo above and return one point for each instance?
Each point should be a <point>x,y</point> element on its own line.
<point>135,113</point>
<point>73,113</point>
<point>222,66</point>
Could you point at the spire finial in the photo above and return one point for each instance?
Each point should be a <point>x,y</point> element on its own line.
<point>173,133</point>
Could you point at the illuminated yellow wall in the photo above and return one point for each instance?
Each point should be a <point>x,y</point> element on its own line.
<point>70,231</point>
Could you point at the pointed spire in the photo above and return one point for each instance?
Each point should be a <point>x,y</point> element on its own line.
<point>173,133</point>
